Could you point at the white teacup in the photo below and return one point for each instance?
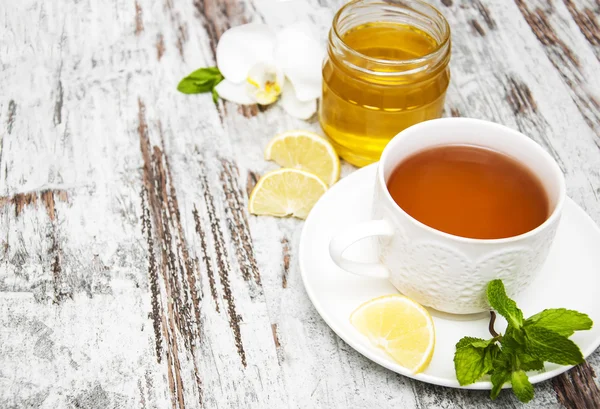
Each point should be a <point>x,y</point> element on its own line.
<point>446,272</point>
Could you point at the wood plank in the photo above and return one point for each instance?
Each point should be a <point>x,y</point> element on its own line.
<point>566,49</point>
<point>585,14</point>
<point>132,274</point>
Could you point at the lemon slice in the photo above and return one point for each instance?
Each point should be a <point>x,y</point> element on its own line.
<point>286,192</point>
<point>399,326</point>
<point>307,151</point>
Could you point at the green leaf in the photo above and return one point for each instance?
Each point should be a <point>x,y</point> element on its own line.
<point>505,306</point>
<point>474,357</point>
<point>528,362</point>
<point>514,344</point>
<point>521,386</point>
<point>206,73</point>
<point>561,320</point>
<point>199,81</point>
<point>472,341</point>
<point>502,369</point>
<point>550,346</point>
<point>214,71</point>
<point>490,356</point>
<point>469,364</point>
<point>513,339</point>
<point>187,86</point>
<point>504,360</point>
<point>499,378</point>
<point>215,96</point>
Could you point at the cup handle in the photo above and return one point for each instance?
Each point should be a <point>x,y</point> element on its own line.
<point>343,240</point>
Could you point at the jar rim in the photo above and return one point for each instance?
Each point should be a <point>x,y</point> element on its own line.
<point>398,63</point>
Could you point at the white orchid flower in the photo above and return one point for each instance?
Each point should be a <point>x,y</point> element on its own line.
<point>260,65</point>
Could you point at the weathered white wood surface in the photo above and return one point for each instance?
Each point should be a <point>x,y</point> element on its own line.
<point>131,275</point>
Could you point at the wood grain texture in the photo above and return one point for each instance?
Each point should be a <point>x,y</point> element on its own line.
<point>132,275</point>
<point>551,24</point>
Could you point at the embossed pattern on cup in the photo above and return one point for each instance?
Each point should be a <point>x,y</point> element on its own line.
<point>451,277</point>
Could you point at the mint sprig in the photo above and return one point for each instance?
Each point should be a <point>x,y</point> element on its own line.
<point>201,81</point>
<point>525,345</point>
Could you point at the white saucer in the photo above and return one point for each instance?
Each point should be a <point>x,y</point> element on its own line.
<point>570,279</point>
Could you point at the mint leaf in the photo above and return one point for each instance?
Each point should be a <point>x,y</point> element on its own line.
<point>215,96</point>
<point>199,81</point>
<point>513,339</point>
<point>474,357</point>
<point>528,362</point>
<point>561,321</point>
<point>521,386</point>
<point>550,346</point>
<point>474,342</point>
<point>514,344</point>
<point>469,364</point>
<point>490,355</point>
<point>467,341</point>
<point>483,344</point>
<point>501,372</point>
<point>505,306</point>
<point>499,378</point>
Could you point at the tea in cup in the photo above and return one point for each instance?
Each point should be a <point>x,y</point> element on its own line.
<point>459,202</point>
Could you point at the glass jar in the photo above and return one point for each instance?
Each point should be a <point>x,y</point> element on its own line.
<point>386,69</point>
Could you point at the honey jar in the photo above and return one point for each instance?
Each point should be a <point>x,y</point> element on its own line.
<point>386,69</point>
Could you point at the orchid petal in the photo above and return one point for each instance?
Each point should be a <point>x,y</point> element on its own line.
<point>237,93</point>
<point>300,55</point>
<point>265,83</point>
<point>293,106</point>
<point>242,47</point>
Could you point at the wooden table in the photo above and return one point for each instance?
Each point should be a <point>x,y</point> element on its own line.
<point>132,275</point>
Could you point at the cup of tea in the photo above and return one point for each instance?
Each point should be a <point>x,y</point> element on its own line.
<point>459,202</point>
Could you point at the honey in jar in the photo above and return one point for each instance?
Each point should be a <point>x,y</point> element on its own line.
<point>386,69</point>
